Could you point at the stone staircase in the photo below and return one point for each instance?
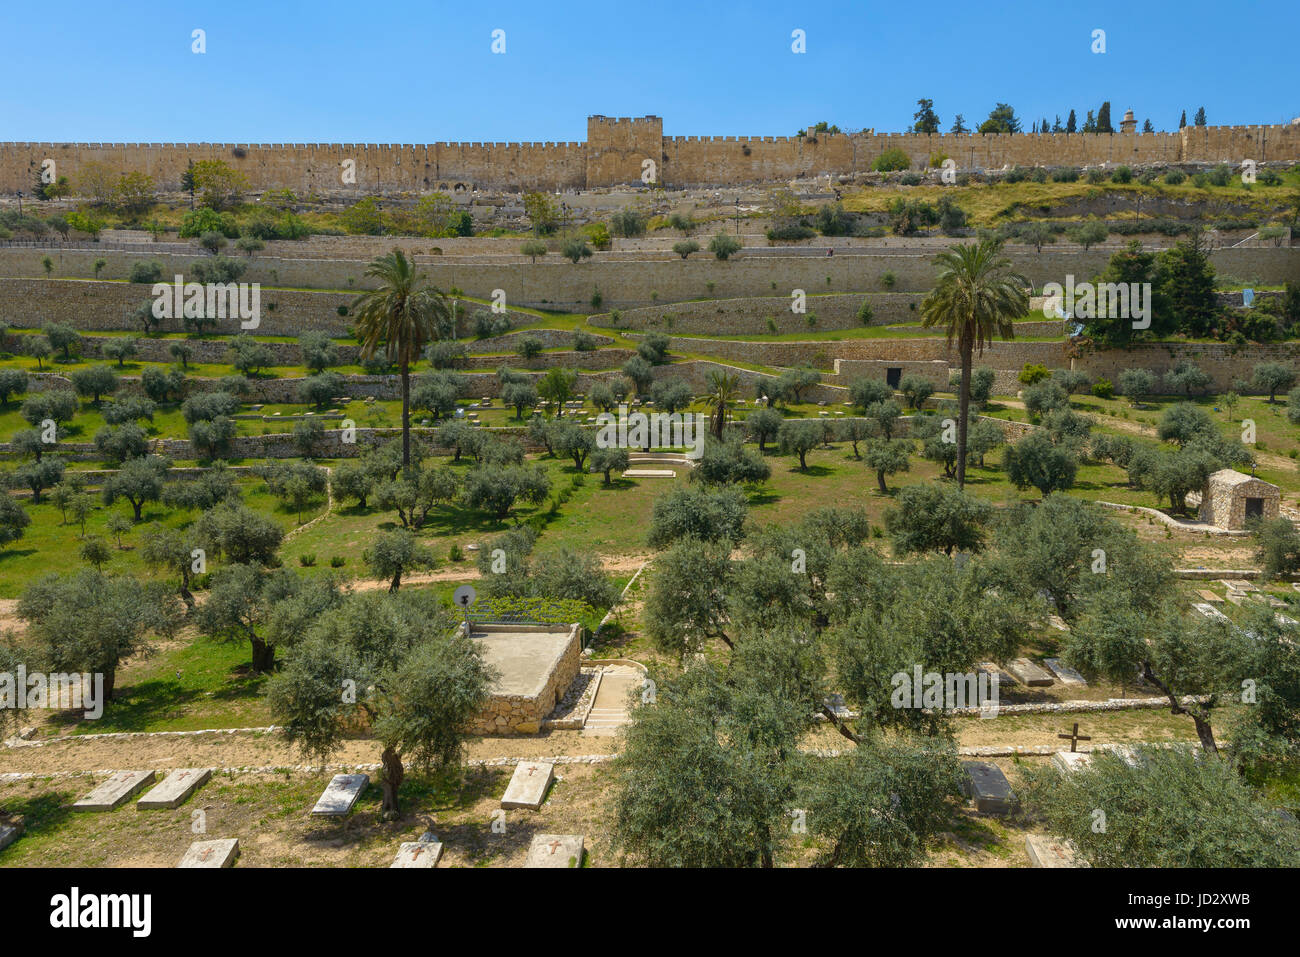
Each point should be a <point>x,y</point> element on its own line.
<point>609,710</point>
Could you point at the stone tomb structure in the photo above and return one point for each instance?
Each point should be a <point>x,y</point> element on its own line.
<point>536,664</point>
<point>989,788</point>
<point>1232,498</point>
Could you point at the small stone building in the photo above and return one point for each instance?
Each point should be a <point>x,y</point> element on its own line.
<point>535,664</point>
<point>1231,498</point>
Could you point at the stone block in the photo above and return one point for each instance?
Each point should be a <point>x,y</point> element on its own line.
<point>418,854</point>
<point>220,853</point>
<point>175,789</point>
<point>1051,852</point>
<point>527,788</point>
<point>116,791</point>
<point>555,850</point>
<point>989,788</point>
<point>341,795</point>
<point>1029,673</point>
<point>1066,674</point>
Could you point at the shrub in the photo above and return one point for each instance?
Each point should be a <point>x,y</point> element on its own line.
<point>1102,389</point>
<point>307,560</point>
<point>146,271</point>
<point>891,160</point>
<point>1175,177</point>
<point>1122,174</point>
<point>337,561</point>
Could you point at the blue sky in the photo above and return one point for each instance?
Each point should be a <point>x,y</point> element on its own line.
<point>416,72</point>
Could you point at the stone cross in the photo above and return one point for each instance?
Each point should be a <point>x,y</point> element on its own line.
<point>554,846</point>
<point>1074,737</point>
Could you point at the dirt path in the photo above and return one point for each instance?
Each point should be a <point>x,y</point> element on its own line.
<point>614,564</point>
<point>247,749</point>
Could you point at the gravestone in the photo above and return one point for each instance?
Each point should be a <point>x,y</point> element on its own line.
<point>1050,852</point>
<point>8,834</point>
<point>1067,761</point>
<point>341,795</point>
<point>995,673</point>
<point>221,853</point>
<point>1210,612</point>
<point>1209,596</point>
<point>555,850</point>
<point>1064,672</point>
<point>528,785</point>
<point>989,788</point>
<point>1269,600</point>
<point>649,473</point>
<point>1132,757</point>
<point>116,791</point>
<point>1238,584</point>
<point>175,789</point>
<point>1029,673</point>
<point>418,854</point>
<point>1236,597</point>
<point>1057,622</point>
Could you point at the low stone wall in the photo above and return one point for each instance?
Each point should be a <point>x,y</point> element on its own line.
<point>747,317</point>
<point>1225,364</point>
<point>595,359</point>
<point>97,306</point>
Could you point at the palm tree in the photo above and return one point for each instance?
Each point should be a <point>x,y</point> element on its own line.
<point>402,314</point>
<point>976,296</point>
<point>723,387</point>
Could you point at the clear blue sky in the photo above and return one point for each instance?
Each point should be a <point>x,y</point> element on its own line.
<point>416,72</point>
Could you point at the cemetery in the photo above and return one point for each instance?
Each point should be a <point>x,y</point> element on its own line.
<point>368,584</point>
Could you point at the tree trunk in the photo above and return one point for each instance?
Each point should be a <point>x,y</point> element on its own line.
<point>880,477</point>
<point>110,682</point>
<point>186,596</point>
<point>963,405</point>
<point>397,581</point>
<point>263,655</point>
<point>406,410</point>
<point>840,726</point>
<point>391,779</point>
<point>1203,729</point>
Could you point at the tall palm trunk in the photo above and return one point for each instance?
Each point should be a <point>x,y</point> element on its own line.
<point>963,404</point>
<point>406,410</point>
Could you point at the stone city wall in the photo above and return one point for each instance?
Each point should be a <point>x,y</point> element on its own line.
<point>616,150</point>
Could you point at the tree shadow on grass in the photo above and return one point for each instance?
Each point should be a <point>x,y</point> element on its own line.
<point>41,814</point>
<point>146,704</point>
<point>813,470</point>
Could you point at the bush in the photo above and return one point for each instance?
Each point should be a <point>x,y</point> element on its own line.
<point>307,560</point>
<point>146,271</point>
<point>891,160</point>
<point>1032,374</point>
<point>1175,177</point>
<point>724,246</point>
<point>1102,389</point>
<point>1122,175</point>
<point>1065,174</point>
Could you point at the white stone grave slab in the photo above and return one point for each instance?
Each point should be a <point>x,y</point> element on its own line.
<point>993,671</point>
<point>175,789</point>
<point>1029,673</point>
<point>555,850</point>
<point>1050,852</point>
<point>1067,761</point>
<point>649,473</point>
<point>418,854</point>
<point>1210,612</point>
<point>220,853</point>
<point>1064,672</point>
<point>8,834</point>
<point>341,795</point>
<point>528,785</point>
<point>116,791</point>
<point>1209,596</point>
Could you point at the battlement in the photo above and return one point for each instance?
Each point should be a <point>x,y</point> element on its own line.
<point>617,149</point>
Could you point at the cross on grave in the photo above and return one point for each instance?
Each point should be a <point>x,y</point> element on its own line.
<point>1074,737</point>
<point>554,846</point>
<point>205,854</point>
<point>415,854</point>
